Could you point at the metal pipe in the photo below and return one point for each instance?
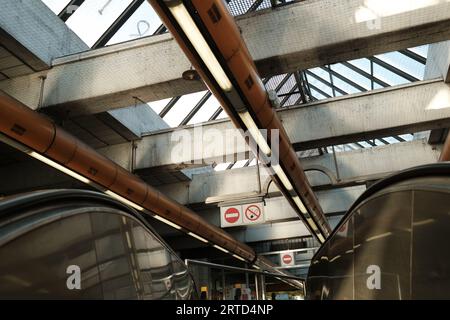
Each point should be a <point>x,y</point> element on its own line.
<point>263,287</point>
<point>258,176</point>
<point>336,164</point>
<point>211,40</point>
<point>244,270</point>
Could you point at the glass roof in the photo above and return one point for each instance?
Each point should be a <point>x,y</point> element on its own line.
<point>92,19</point>
<point>56,6</point>
<point>106,22</point>
<point>143,22</point>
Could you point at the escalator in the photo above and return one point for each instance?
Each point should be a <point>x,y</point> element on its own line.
<point>73,244</point>
<point>392,243</point>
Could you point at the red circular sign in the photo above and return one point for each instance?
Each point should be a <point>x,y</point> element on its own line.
<point>232,215</point>
<point>287,259</point>
<point>253,212</point>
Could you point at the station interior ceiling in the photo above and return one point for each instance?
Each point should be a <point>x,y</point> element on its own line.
<point>323,104</point>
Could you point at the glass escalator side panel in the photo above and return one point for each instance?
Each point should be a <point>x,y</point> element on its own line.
<point>116,255</point>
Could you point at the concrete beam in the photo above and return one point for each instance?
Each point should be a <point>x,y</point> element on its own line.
<point>34,34</point>
<point>380,113</point>
<point>139,119</point>
<point>348,30</point>
<point>109,78</point>
<point>438,61</point>
<point>213,187</point>
<point>280,40</point>
<point>361,166</point>
<point>355,167</point>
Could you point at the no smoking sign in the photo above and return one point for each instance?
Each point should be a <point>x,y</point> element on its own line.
<point>253,213</point>
<point>241,215</point>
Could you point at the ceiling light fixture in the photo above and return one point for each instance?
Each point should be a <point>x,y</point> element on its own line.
<point>194,35</point>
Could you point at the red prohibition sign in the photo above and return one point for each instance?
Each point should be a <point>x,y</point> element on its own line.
<point>253,212</point>
<point>287,259</point>
<point>232,215</point>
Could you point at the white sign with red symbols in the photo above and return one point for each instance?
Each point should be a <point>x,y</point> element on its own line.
<point>231,216</point>
<point>287,259</point>
<point>253,213</point>
<point>242,215</point>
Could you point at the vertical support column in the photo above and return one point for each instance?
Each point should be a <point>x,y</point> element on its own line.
<point>247,282</point>
<point>437,66</point>
<point>263,287</point>
<point>256,287</point>
<point>224,295</point>
<point>260,287</point>
<point>338,177</point>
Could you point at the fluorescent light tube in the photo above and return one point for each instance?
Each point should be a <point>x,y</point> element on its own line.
<point>58,167</point>
<point>310,221</point>
<point>255,132</point>
<point>198,237</point>
<point>194,35</point>
<point>300,204</point>
<point>221,249</point>
<point>321,238</point>
<point>312,224</point>
<point>126,201</point>
<point>282,176</point>
<point>237,257</point>
<point>170,223</point>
